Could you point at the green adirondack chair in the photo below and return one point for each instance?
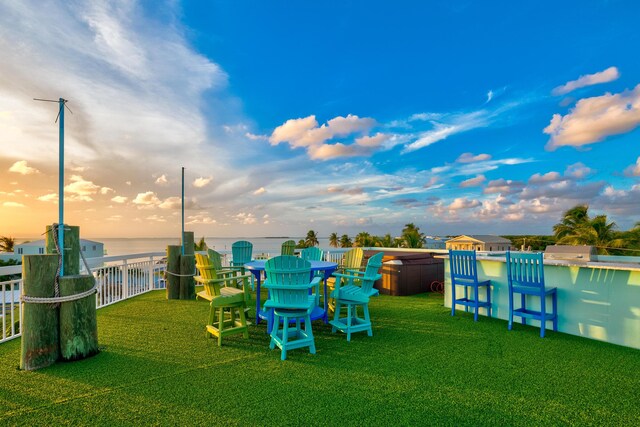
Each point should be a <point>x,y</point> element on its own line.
<point>313,253</point>
<point>288,281</point>
<point>288,247</point>
<point>351,261</point>
<point>227,273</point>
<point>348,293</point>
<point>227,303</point>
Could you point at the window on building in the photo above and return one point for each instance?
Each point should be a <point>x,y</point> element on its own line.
<point>84,248</point>
<point>19,251</point>
<point>94,247</point>
<point>40,251</point>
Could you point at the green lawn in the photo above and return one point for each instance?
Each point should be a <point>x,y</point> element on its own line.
<point>421,367</point>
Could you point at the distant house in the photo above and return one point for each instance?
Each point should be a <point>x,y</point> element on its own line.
<point>479,242</point>
<point>89,248</point>
<point>434,243</point>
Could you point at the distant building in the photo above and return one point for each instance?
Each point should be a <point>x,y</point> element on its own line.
<point>89,248</point>
<point>434,243</point>
<point>479,242</point>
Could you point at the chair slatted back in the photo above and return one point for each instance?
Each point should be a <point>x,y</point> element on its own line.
<point>525,269</point>
<point>371,273</point>
<point>313,253</point>
<point>207,273</point>
<point>288,247</point>
<point>463,266</point>
<point>288,281</point>
<point>352,259</point>
<point>241,251</point>
<point>216,259</point>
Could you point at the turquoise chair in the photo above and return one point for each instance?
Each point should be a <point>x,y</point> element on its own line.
<point>313,253</point>
<point>357,292</point>
<point>288,247</point>
<point>464,272</point>
<point>525,273</point>
<point>242,253</point>
<point>290,299</point>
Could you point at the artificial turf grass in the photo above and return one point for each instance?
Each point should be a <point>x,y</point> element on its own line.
<point>421,367</point>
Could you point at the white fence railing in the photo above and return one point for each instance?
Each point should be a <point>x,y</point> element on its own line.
<point>117,278</point>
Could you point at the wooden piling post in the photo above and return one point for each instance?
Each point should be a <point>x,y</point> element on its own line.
<point>78,323</point>
<point>187,267</point>
<point>173,266</point>
<point>71,245</point>
<point>40,346</point>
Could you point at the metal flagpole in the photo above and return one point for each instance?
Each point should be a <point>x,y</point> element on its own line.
<point>182,211</point>
<point>61,186</point>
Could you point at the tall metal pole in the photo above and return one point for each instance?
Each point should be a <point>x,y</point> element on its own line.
<point>182,222</point>
<point>61,186</point>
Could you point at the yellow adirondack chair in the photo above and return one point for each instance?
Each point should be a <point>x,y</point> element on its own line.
<point>228,303</point>
<point>351,260</point>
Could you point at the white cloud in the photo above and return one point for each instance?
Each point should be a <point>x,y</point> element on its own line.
<point>547,177</point>
<point>578,171</point>
<point>51,197</point>
<point>255,137</point>
<point>594,119</point>
<point>503,186</point>
<point>156,218</point>
<point>22,168</point>
<point>633,170</point>
<point>470,158</point>
<point>473,182</point>
<point>605,76</point>
<point>119,199</point>
<point>13,205</point>
<point>162,180</point>
<point>148,198</point>
<point>200,219</point>
<point>82,190</point>
<point>463,203</point>
<point>259,191</point>
<point>246,218</point>
<point>202,181</point>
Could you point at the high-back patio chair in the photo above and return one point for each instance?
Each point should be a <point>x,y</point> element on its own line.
<point>242,253</point>
<point>351,261</point>
<point>227,303</point>
<point>525,274</point>
<point>464,272</point>
<point>352,290</point>
<point>288,247</point>
<point>289,284</point>
<point>313,253</point>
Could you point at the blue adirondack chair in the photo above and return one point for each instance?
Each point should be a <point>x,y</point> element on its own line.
<point>242,253</point>
<point>288,247</point>
<point>464,272</point>
<point>525,273</point>
<point>290,299</point>
<point>356,292</point>
<point>313,253</point>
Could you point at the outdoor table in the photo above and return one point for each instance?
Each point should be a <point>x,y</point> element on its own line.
<point>326,267</point>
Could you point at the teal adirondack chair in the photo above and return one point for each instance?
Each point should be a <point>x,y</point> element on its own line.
<point>289,298</point>
<point>354,294</point>
<point>242,253</point>
<point>313,253</point>
<point>288,247</point>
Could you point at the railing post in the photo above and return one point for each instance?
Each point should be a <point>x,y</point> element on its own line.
<point>150,282</point>
<point>125,280</point>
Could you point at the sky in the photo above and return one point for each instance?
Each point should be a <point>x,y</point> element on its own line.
<point>461,117</point>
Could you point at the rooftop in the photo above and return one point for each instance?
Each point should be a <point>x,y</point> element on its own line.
<point>421,367</point>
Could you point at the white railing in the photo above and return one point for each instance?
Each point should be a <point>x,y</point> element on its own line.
<point>117,278</point>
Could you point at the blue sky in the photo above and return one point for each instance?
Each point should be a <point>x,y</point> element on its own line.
<point>462,117</point>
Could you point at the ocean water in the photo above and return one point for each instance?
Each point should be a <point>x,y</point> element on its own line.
<point>119,246</point>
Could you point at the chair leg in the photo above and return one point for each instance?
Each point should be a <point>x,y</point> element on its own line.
<point>275,322</point>
<point>349,322</point>
<point>554,306</point>
<point>453,299</point>
<point>336,315</point>
<point>309,331</point>
<point>543,314</point>
<point>476,292</point>
<point>285,338</point>
<point>243,322</point>
<point>523,304</point>
<point>510,325</point>
<point>466,296</point>
<point>489,299</point>
<point>367,318</point>
<point>220,326</point>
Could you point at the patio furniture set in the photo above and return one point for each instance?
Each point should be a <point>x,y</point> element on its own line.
<point>293,285</point>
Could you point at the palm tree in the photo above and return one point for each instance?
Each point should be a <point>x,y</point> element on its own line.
<point>345,241</point>
<point>412,237</point>
<point>7,244</point>
<point>363,239</point>
<point>312,238</point>
<point>333,240</point>
<point>302,244</point>
<point>386,241</point>
<point>201,245</point>
<point>572,219</point>
<point>581,230</point>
